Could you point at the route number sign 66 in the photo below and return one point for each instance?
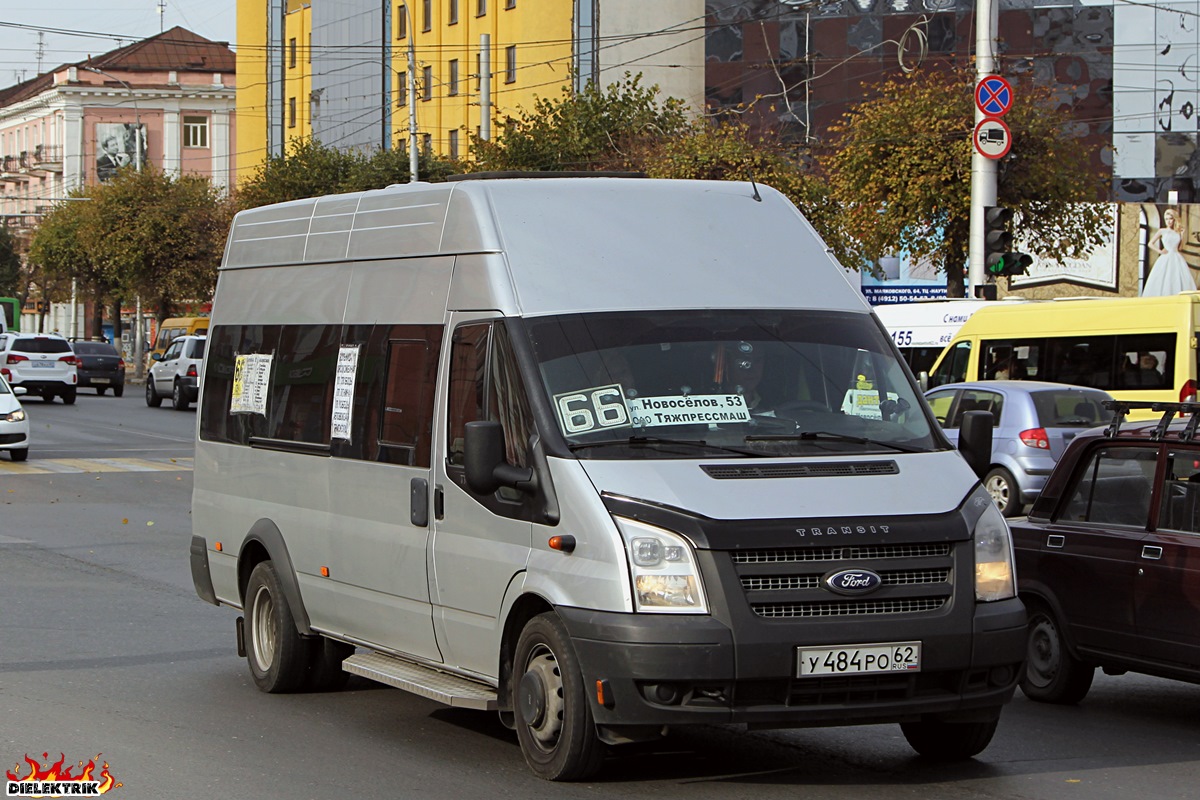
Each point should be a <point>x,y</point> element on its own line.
<point>598,408</point>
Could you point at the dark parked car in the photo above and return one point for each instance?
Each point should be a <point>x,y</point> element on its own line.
<point>102,368</point>
<point>1108,561</point>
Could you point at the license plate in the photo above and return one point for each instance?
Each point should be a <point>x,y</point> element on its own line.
<point>856,659</point>
<point>41,364</point>
<point>101,380</point>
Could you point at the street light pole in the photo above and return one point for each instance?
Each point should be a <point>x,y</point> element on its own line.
<point>983,169</point>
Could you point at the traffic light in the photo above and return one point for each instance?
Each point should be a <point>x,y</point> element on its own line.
<point>998,256</point>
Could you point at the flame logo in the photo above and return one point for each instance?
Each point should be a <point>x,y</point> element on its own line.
<point>56,772</point>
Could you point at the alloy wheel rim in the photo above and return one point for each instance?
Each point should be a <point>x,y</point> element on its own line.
<point>263,631</point>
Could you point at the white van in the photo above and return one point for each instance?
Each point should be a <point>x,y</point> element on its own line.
<point>603,455</point>
<point>922,329</point>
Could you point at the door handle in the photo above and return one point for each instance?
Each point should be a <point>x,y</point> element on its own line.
<point>1056,540</point>
<point>439,503</point>
<point>1152,552</point>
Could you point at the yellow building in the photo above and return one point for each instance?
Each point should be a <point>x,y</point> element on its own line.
<point>327,70</point>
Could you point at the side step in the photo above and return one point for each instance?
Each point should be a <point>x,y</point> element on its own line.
<point>424,681</point>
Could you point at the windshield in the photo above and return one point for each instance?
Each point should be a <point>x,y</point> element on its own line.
<point>733,383</point>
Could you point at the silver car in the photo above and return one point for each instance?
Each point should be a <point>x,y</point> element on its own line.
<point>1033,421</point>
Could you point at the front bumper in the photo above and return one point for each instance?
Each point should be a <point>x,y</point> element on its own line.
<point>662,670</point>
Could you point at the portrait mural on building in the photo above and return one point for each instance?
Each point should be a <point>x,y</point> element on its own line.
<point>119,144</point>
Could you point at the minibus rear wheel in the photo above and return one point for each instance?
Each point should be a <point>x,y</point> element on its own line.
<point>279,657</point>
<point>554,721</point>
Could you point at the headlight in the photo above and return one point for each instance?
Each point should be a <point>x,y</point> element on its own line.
<point>666,579</point>
<point>15,416</point>
<point>995,578</point>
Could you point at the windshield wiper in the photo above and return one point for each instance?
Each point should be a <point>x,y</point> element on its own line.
<point>643,441</point>
<point>831,436</point>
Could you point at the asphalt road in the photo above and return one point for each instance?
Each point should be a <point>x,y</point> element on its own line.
<point>105,649</point>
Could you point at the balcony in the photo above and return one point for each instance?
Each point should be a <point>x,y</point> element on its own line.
<point>10,169</point>
<point>47,158</point>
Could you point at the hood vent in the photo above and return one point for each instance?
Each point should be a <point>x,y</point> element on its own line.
<point>832,469</point>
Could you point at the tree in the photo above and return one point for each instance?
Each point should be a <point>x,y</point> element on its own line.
<point>10,263</point>
<point>900,167</point>
<point>58,251</point>
<point>592,129</point>
<point>161,236</point>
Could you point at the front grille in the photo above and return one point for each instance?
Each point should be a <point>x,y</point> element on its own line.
<point>840,553</point>
<point>852,608</point>
<point>833,469</point>
<point>11,438</point>
<point>788,582</point>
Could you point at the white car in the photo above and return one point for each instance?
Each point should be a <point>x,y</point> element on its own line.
<point>176,374</point>
<point>44,363</point>
<point>14,425</point>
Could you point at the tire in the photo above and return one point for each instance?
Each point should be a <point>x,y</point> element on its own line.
<point>47,397</point>
<point>325,673</point>
<point>949,741</point>
<point>553,717</point>
<point>100,390</point>
<point>179,398</point>
<point>280,658</point>
<point>119,390</point>
<point>19,454</point>
<point>68,397</point>
<point>1052,674</point>
<point>1003,488</point>
<point>152,398</point>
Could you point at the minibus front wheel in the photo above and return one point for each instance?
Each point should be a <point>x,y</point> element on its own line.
<point>279,657</point>
<point>554,721</point>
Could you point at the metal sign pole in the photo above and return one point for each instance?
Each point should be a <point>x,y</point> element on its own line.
<point>983,169</point>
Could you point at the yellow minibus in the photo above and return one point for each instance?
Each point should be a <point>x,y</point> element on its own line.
<point>1134,348</point>
<point>174,327</point>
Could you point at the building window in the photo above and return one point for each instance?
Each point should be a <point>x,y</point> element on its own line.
<point>308,55</point>
<point>401,21</point>
<point>195,131</point>
<point>291,112</point>
<point>478,70</point>
<point>452,12</point>
<point>453,144</point>
<point>292,53</point>
<point>427,13</point>
<point>480,7</point>
<point>427,83</point>
<point>452,83</point>
<point>510,3</point>
<point>427,144</point>
<point>401,89</point>
<point>510,64</point>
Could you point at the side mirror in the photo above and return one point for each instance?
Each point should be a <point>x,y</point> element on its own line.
<point>19,390</point>
<point>923,380</point>
<point>487,470</point>
<point>975,440</point>
<point>156,356</point>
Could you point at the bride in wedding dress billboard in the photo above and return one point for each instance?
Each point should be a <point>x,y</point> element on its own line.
<point>1170,273</point>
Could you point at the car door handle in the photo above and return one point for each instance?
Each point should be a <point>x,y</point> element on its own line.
<point>1151,552</point>
<point>1056,540</point>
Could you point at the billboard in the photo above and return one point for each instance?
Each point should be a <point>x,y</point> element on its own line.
<point>119,144</point>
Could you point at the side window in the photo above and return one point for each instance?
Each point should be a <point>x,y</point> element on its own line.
<point>406,422</point>
<point>173,351</point>
<point>977,400</point>
<point>1084,361</point>
<point>954,366</point>
<point>941,402</point>
<point>468,373</point>
<point>1179,508</point>
<point>1011,360</point>
<point>217,424</point>
<point>485,383</point>
<point>1114,488</point>
<point>1147,361</point>
<point>299,407</point>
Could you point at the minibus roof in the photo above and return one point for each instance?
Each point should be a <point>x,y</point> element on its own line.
<point>567,244</point>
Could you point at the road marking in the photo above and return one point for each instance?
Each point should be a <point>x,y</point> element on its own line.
<point>72,466</point>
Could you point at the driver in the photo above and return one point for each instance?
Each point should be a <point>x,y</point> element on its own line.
<point>738,369</point>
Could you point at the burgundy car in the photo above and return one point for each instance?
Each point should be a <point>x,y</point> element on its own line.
<point>1108,560</point>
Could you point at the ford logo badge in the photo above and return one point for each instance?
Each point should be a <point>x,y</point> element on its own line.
<point>852,581</point>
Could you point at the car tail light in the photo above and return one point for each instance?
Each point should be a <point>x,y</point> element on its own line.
<point>73,361</point>
<point>121,364</point>
<point>1187,393</point>
<point>1035,437</point>
<point>16,359</point>
<point>7,375</point>
<point>191,373</point>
